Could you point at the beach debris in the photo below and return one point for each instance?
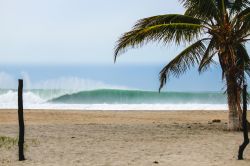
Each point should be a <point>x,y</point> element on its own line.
<point>156,162</point>
<point>73,137</point>
<point>216,121</point>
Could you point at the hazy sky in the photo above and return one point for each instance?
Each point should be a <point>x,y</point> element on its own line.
<point>75,31</point>
<point>48,41</point>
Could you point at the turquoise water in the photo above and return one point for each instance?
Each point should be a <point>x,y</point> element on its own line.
<point>110,99</point>
<point>111,96</point>
<point>140,97</point>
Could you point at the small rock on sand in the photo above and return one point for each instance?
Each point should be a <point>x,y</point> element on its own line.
<point>216,121</point>
<point>156,162</point>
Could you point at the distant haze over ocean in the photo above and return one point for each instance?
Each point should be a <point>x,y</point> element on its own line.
<point>110,76</point>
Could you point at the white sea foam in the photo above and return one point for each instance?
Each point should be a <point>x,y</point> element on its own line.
<point>74,83</point>
<point>139,107</point>
<point>32,100</point>
<point>9,99</point>
<point>67,85</point>
<point>118,107</point>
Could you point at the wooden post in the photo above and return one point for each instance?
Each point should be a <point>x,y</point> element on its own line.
<point>20,120</point>
<point>244,125</point>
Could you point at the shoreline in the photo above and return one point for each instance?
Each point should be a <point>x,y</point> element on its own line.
<point>110,110</point>
<point>124,107</point>
<point>44,116</point>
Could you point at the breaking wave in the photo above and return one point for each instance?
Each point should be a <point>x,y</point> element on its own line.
<point>111,99</point>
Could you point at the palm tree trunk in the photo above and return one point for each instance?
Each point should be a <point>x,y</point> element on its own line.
<point>244,125</point>
<point>233,118</point>
<point>232,95</point>
<point>240,111</point>
<point>239,106</point>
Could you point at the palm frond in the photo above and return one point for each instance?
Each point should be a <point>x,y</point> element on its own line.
<point>186,59</point>
<point>207,59</point>
<point>245,28</point>
<point>243,13</point>
<point>202,9</point>
<point>223,66</point>
<point>238,18</point>
<point>243,60</point>
<point>238,5</point>
<point>165,19</point>
<point>177,32</point>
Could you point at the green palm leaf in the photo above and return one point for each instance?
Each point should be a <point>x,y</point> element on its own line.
<point>243,13</point>
<point>186,59</point>
<point>243,60</point>
<point>245,22</point>
<point>166,19</point>
<point>178,32</point>
<point>202,9</point>
<point>207,59</point>
<point>239,5</point>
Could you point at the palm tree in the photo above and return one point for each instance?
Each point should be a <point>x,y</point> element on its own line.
<point>211,29</point>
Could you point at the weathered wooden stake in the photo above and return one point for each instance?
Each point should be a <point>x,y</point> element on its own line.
<point>20,120</point>
<point>244,125</point>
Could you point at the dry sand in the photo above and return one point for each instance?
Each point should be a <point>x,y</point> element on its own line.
<point>109,138</point>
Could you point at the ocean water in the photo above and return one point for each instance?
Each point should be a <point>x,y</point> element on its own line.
<point>113,99</point>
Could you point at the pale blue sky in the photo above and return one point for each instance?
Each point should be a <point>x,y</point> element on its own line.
<point>76,31</point>
<point>50,39</point>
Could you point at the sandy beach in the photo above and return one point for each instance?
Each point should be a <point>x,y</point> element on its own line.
<point>110,138</point>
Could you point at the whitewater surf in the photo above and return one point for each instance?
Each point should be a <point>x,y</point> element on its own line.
<point>114,99</point>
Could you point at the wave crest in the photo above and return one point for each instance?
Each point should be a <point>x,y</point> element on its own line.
<point>10,98</point>
<point>139,97</point>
